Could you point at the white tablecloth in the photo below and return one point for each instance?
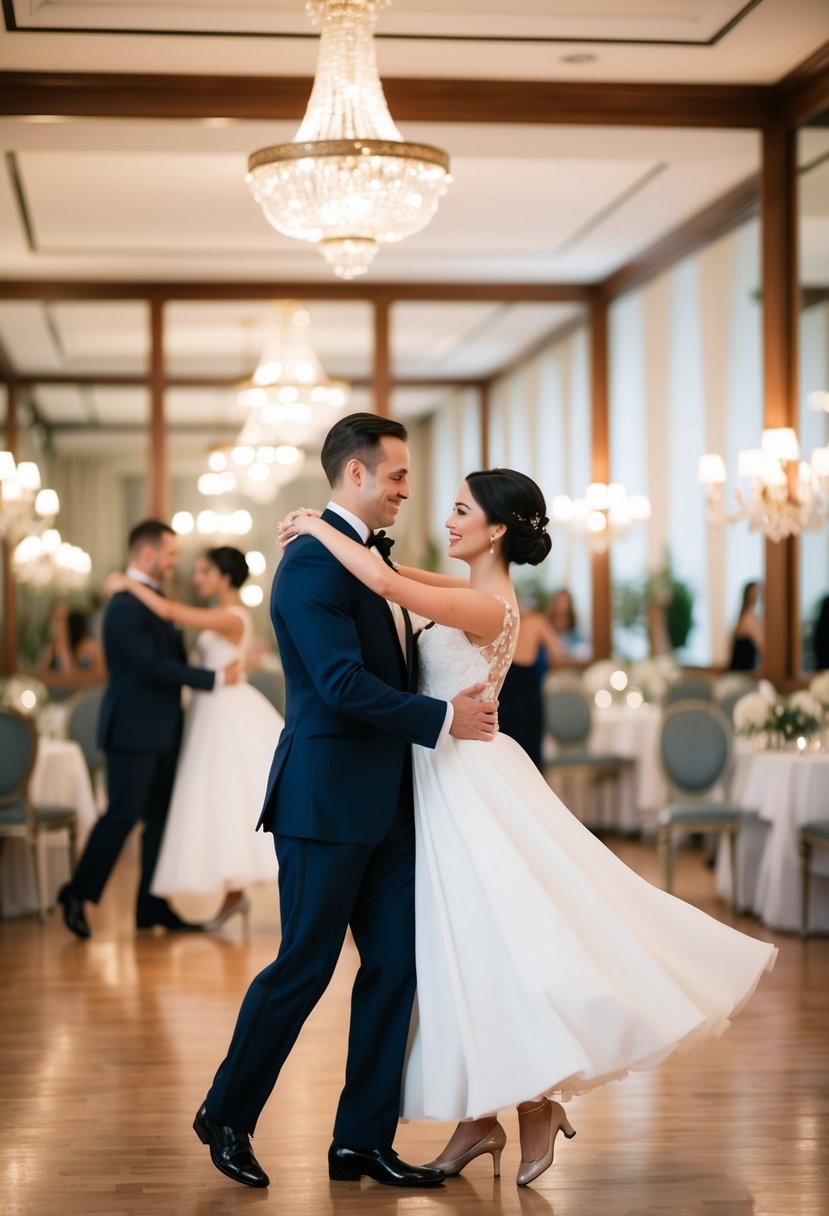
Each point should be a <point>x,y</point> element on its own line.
<point>59,778</point>
<point>621,731</point>
<point>787,790</point>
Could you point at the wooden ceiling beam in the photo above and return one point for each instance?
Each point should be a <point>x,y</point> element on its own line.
<point>258,98</point>
<point>73,289</point>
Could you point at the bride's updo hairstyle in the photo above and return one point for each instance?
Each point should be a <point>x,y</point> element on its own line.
<point>231,562</point>
<point>514,500</point>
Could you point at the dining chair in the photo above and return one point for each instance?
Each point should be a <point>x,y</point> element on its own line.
<point>584,774</point>
<point>19,817</point>
<point>83,711</point>
<point>692,688</point>
<point>813,835</point>
<point>695,748</point>
<point>271,684</point>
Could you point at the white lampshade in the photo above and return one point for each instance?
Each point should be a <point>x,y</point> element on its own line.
<point>820,462</point>
<point>51,540</point>
<point>596,522</point>
<point>183,523</point>
<point>772,473</point>
<point>750,463</point>
<point>598,498</point>
<point>639,507</point>
<point>818,400</point>
<point>562,508</point>
<point>7,466</point>
<point>617,495</point>
<point>781,443</point>
<point>47,503</point>
<point>711,470</point>
<point>28,475</point>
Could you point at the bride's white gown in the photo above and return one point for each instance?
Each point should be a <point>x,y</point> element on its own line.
<point>544,964</point>
<point>210,843</point>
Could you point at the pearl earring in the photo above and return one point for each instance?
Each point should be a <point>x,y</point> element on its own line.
<point>492,546</point>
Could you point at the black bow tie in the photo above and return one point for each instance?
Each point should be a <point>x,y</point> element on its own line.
<point>382,543</point>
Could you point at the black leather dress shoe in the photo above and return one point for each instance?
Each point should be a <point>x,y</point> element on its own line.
<point>168,919</point>
<point>230,1151</point>
<point>381,1164</point>
<point>73,913</point>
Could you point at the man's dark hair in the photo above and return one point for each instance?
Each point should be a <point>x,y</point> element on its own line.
<point>148,532</point>
<point>357,437</point>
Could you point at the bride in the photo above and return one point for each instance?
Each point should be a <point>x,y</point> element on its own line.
<point>210,844</point>
<point>545,965</point>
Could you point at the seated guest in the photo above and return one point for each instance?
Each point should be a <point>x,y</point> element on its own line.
<point>72,655</point>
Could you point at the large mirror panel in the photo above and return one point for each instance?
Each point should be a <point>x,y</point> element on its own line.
<point>813,245</point>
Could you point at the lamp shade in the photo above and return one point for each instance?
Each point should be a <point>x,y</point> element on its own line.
<point>711,470</point>
<point>781,443</point>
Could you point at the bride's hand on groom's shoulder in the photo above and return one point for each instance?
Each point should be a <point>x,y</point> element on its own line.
<point>113,583</point>
<point>292,525</point>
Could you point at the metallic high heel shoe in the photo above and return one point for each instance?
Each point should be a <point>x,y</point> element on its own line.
<point>240,908</point>
<point>529,1170</point>
<point>493,1142</point>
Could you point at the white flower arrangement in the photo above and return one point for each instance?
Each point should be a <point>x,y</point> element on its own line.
<point>787,718</point>
<point>819,688</point>
<point>751,714</point>
<point>653,677</point>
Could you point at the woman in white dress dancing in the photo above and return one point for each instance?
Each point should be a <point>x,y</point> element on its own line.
<point>210,843</point>
<point>545,965</point>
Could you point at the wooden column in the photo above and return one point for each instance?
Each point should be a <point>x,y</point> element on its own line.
<point>381,378</point>
<point>158,485</point>
<point>483,400</point>
<point>781,658</point>
<point>8,653</point>
<point>600,467</point>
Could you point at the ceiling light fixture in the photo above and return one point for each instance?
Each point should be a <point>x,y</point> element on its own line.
<point>348,181</point>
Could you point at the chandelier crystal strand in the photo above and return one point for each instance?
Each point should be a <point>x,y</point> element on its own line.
<point>348,181</point>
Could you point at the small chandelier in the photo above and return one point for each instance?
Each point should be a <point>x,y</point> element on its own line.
<point>289,396</point>
<point>46,561</point>
<point>786,495</point>
<point>24,506</point>
<point>348,181</point>
<point>605,514</point>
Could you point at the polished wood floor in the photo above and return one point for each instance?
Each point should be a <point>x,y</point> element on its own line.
<point>107,1048</point>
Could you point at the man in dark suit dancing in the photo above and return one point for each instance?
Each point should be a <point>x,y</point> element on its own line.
<point>340,804</point>
<point>140,731</point>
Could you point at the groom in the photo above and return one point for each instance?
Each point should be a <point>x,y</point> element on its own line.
<point>339,802</point>
<point>140,730</point>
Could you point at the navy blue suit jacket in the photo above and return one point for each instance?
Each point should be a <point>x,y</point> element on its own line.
<point>141,708</point>
<point>351,710</point>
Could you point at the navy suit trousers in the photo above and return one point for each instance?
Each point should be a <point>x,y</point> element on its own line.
<point>325,888</point>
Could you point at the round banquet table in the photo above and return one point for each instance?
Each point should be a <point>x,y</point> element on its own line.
<point>786,790</point>
<point>59,778</point>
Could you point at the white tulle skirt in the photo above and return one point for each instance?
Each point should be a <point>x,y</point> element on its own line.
<point>210,843</point>
<point>545,965</point>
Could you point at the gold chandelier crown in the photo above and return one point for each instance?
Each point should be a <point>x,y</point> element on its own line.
<point>348,181</point>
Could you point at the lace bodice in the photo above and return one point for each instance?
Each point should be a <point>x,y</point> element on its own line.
<point>449,662</point>
<point>215,651</point>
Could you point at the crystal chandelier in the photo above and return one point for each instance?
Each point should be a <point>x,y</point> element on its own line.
<point>24,506</point>
<point>48,561</point>
<point>289,398</point>
<point>605,514</point>
<point>348,181</point>
<point>786,495</point>
<point>289,403</point>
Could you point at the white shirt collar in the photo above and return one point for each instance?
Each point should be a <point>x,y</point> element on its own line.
<point>362,529</point>
<point>141,577</point>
